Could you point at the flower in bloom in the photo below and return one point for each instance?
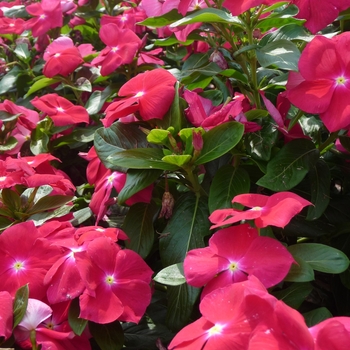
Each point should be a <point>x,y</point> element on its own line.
<point>333,333</point>
<point>61,57</point>
<point>47,15</point>
<point>27,262</point>
<point>60,110</point>
<point>237,7</point>
<point>319,14</point>
<point>276,210</point>
<point>11,25</point>
<point>6,315</point>
<point>322,85</point>
<point>234,253</point>
<point>244,316</point>
<point>151,93</point>
<point>122,45</point>
<point>117,283</point>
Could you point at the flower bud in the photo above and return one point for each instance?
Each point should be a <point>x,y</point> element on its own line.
<point>218,58</point>
<point>167,206</point>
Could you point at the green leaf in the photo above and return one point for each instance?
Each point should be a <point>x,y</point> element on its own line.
<point>137,180</point>
<point>219,141</point>
<point>185,230</point>
<point>40,84</point>
<point>82,84</point>
<point>289,32</point>
<point>11,199</point>
<point>209,15</point>
<point>227,183</point>
<point>259,144</point>
<point>302,272</point>
<point>172,275</point>
<point>139,158</point>
<point>288,168</point>
<point>97,99</point>
<point>39,218</point>
<point>232,73</point>
<point>180,304</point>
<point>119,137</point>
<point>77,324</point>
<point>196,65</point>
<point>320,183</point>
<point>8,81</point>
<point>10,143</point>
<point>108,336</point>
<point>282,54</point>
<point>20,304</point>
<point>162,20</point>
<point>316,316</point>
<point>177,159</point>
<point>295,294</point>
<point>138,225</point>
<point>22,51</point>
<point>48,203</point>
<point>321,257</point>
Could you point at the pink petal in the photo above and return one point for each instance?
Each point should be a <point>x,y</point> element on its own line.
<point>36,312</point>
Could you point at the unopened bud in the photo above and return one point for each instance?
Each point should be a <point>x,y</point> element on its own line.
<point>167,206</point>
<point>218,58</point>
<point>197,140</point>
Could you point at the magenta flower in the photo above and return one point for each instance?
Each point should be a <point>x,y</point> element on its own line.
<point>237,7</point>
<point>60,110</point>
<point>61,57</point>
<point>6,315</point>
<point>234,253</point>
<point>276,210</point>
<point>322,85</point>
<point>117,283</point>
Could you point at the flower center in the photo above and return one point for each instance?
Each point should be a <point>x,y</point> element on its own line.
<point>42,16</point>
<point>256,208</point>
<point>2,178</point>
<point>49,325</point>
<point>233,266</point>
<point>18,265</point>
<point>60,109</point>
<point>109,280</point>
<point>215,330</point>
<point>115,49</point>
<point>341,80</point>
<point>57,55</point>
<point>139,94</point>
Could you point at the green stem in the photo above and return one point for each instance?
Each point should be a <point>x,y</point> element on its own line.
<point>332,137</point>
<point>193,179</point>
<point>33,340</point>
<point>295,119</point>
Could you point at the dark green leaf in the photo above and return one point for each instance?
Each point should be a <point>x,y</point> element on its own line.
<point>180,304</point>
<point>321,257</point>
<point>8,81</point>
<point>281,54</point>
<point>316,316</point>
<point>172,275</point>
<point>219,141</point>
<point>20,304</point>
<point>108,336</point>
<point>198,64</point>
<point>209,15</point>
<point>138,225</point>
<point>227,183</point>
<point>301,272</point>
<point>11,199</point>
<point>97,99</point>
<point>162,20</point>
<point>185,230</point>
<point>22,51</point>
<point>295,294</point>
<point>77,324</point>
<point>10,143</point>
<point>49,202</point>
<point>40,218</point>
<point>137,180</point>
<point>288,168</point>
<point>289,32</point>
<point>320,183</point>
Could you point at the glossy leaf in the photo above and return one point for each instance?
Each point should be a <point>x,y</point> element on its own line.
<point>219,141</point>
<point>76,323</point>
<point>138,225</point>
<point>316,316</point>
<point>320,183</point>
<point>8,81</point>
<point>227,183</point>
<point>178,160</point>
<point>300,272</point>
<point>290,165</point>
<point>295,294</point>
<point>163,20</point>
<point>97,99</point>
<point>42,83</point>
<point>321,257</point>
<point>107,336</point>
<point>49,202</point>
<point>20,304</point>
<point>172,275</point>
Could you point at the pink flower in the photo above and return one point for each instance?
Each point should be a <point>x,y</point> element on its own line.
<point>276,210</point>
<point>11,25</point>
<point>122,45</point>
<point>234,253</point>
<point>6,315</point>
<point>61,57</point>
<point>237,7</point>
<point>60,110</point>
<point>47,15</point>
<point>151,93</point>
<point>27,262</point>
<point>323,82</point>
<point>319,14</point>
<point>117,283</point>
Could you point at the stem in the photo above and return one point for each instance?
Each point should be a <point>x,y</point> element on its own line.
<point>332,137</point>
<point>295,119</point>
<point>196,187</point>
<point>33,340</point>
